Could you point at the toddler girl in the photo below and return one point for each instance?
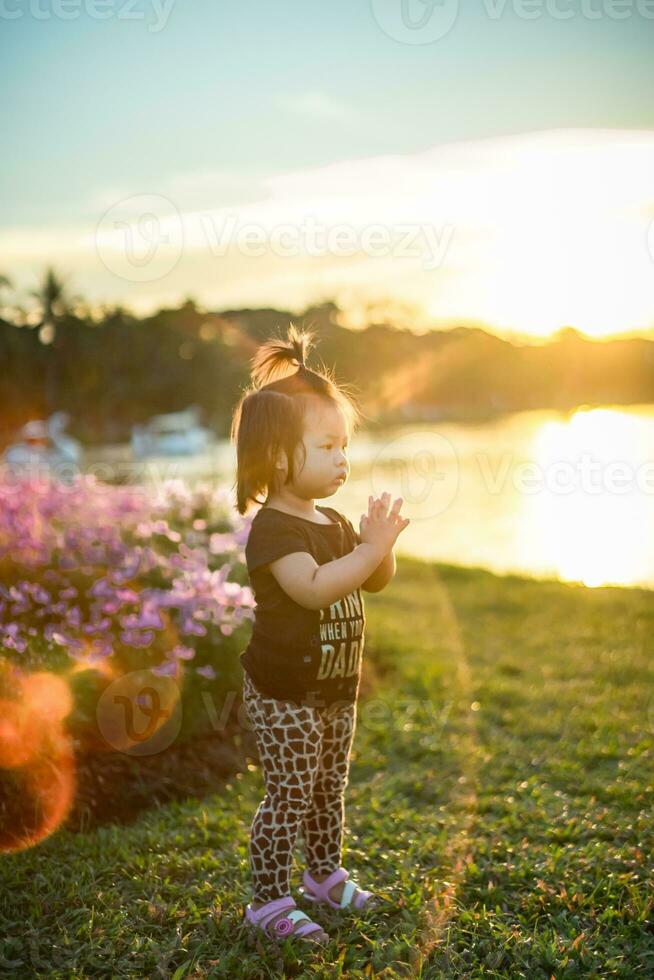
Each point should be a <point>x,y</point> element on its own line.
<point>307,566</point>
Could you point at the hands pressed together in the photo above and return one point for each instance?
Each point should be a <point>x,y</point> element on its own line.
<point>381,527</point>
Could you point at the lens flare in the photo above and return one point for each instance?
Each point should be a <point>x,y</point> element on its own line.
<point>37,764</point>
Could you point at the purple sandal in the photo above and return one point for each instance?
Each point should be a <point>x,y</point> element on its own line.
<point>352,897</point>
<point>261,918</point>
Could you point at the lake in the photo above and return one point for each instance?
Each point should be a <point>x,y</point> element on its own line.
<point>568,495</point>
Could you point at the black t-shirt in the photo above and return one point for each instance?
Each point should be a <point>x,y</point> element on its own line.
<point>310,656</point>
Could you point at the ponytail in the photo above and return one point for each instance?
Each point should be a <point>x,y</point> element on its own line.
<point>274,357</point>
<point>269,416</point>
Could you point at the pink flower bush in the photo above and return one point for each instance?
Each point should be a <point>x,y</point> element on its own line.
<point>89,567</point>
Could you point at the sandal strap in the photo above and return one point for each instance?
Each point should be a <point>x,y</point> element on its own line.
<point>349,890</point>
<point>362,899</point>
<point>351,895</point>
<point>264,916</point>
<point>321,889</point>
<point>297,915</point>
<point>307,927</point>
<point>354,895</point>
<point>267,912</point>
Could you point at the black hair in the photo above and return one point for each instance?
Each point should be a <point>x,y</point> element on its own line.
<point>269,416</point>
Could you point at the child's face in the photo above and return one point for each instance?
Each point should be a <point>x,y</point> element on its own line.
<point>326,440</point>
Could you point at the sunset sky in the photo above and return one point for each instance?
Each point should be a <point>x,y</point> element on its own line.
<point>471,163</point>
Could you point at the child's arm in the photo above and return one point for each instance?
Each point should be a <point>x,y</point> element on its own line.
<point>316,586</point>
<point>381,575</point>
<point>372,561</point>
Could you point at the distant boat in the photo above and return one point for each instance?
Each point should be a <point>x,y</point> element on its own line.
<point>45,447</point>
<point>172,434</point>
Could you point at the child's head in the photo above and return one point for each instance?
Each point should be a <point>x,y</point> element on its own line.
<point>292,425</point>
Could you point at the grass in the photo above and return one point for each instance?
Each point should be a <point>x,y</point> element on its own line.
<point>500,796</point>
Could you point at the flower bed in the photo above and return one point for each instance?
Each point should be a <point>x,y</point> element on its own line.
<point>122,612</point>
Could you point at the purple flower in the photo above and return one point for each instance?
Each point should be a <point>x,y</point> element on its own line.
<point>101,588</point>
<point>182,652</point>
<point>48,528</point>
<point>147,618</point>
<point>191,628</point>
<point>19,645</point>
<point>127,595</point>
<point>74,616</point>
<point>111,606</point>
<point>133,639</point>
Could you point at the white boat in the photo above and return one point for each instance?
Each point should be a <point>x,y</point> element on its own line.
<point>172,434</point>
<point>45,447</point>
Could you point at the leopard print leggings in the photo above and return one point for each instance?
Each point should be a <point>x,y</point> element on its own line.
<point>305,757</point>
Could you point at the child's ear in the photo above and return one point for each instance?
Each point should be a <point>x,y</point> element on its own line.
<point>281,461</point>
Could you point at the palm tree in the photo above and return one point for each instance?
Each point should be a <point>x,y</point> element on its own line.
<point>54,303</point>
<point>5,283</point>
<point>52,297</point>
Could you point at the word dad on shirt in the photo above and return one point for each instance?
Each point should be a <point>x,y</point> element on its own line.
<point>341,637</point>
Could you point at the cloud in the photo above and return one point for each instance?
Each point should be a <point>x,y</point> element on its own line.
<point>542,229</point>
<point>315,105</point>
<point>196,189</point>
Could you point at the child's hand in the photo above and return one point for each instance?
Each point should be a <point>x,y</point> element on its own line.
<point>380,527</point>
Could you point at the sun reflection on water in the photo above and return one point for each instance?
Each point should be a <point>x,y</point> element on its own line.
<point>594,524</point>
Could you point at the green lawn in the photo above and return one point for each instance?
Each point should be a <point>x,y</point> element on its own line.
<point>500,796</point>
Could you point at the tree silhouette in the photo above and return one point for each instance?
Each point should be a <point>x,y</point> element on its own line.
<point>5,283</point>
<point>53,298</point>
<point>55,306</point>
